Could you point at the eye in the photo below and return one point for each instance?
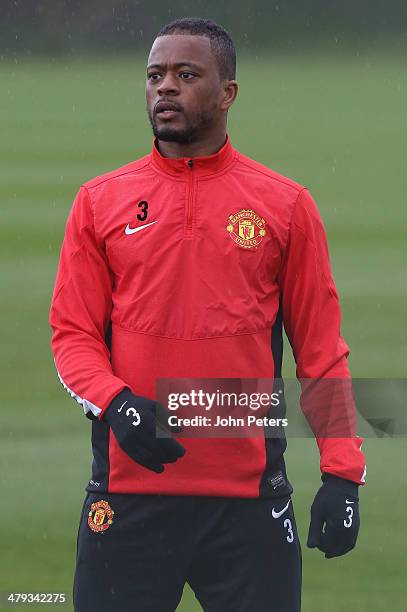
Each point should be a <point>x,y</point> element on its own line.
<point>186,76</point>
<point>153,76</point>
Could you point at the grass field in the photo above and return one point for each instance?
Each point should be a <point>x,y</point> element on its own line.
<point>337,125</point>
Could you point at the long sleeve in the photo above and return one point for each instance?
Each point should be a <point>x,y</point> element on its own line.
<point>80,313</point>
<point>311,315</point>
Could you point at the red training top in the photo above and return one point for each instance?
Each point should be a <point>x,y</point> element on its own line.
<point>226,241</point>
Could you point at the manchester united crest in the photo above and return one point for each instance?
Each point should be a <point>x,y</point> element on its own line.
<point>100,516</point>
<point>246,228</point>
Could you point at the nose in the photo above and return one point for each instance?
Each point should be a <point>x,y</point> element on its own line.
<point>168,85</point>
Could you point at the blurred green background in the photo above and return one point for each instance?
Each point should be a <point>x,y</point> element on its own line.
<point>330,115</point>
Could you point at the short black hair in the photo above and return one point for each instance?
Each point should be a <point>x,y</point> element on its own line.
<point>221,43</point>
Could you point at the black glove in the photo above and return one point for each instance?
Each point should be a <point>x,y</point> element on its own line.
<point>135,422</point>
<point>335,517</point>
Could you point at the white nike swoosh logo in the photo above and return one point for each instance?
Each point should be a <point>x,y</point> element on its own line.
<point>275,514</point>
<point>132,230</point>
<point>348,502</point>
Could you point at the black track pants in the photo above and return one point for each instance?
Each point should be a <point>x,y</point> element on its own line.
<point>238,555</point>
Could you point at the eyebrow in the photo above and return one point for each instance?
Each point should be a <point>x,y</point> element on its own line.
<point>177,65</point>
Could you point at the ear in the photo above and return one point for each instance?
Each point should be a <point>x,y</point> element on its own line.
<point>229,93</point>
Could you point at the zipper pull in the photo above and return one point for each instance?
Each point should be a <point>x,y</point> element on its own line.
<point>190,163</point>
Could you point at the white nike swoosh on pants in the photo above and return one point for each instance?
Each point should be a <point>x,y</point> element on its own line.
<point>275,514</point>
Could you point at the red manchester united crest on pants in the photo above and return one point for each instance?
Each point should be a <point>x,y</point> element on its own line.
<point>100,516</point>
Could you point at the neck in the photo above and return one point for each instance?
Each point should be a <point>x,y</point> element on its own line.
<point>195,149</point>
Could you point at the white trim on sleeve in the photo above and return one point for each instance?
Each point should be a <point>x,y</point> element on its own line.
<point>86,404</point>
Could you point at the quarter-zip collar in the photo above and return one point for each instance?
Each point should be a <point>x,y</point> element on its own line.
<point>203,166</point>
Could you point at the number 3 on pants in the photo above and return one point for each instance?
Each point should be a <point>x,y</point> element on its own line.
<point>289,527</point>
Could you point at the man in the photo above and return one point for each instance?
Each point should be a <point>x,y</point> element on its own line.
<point>184,264</point>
